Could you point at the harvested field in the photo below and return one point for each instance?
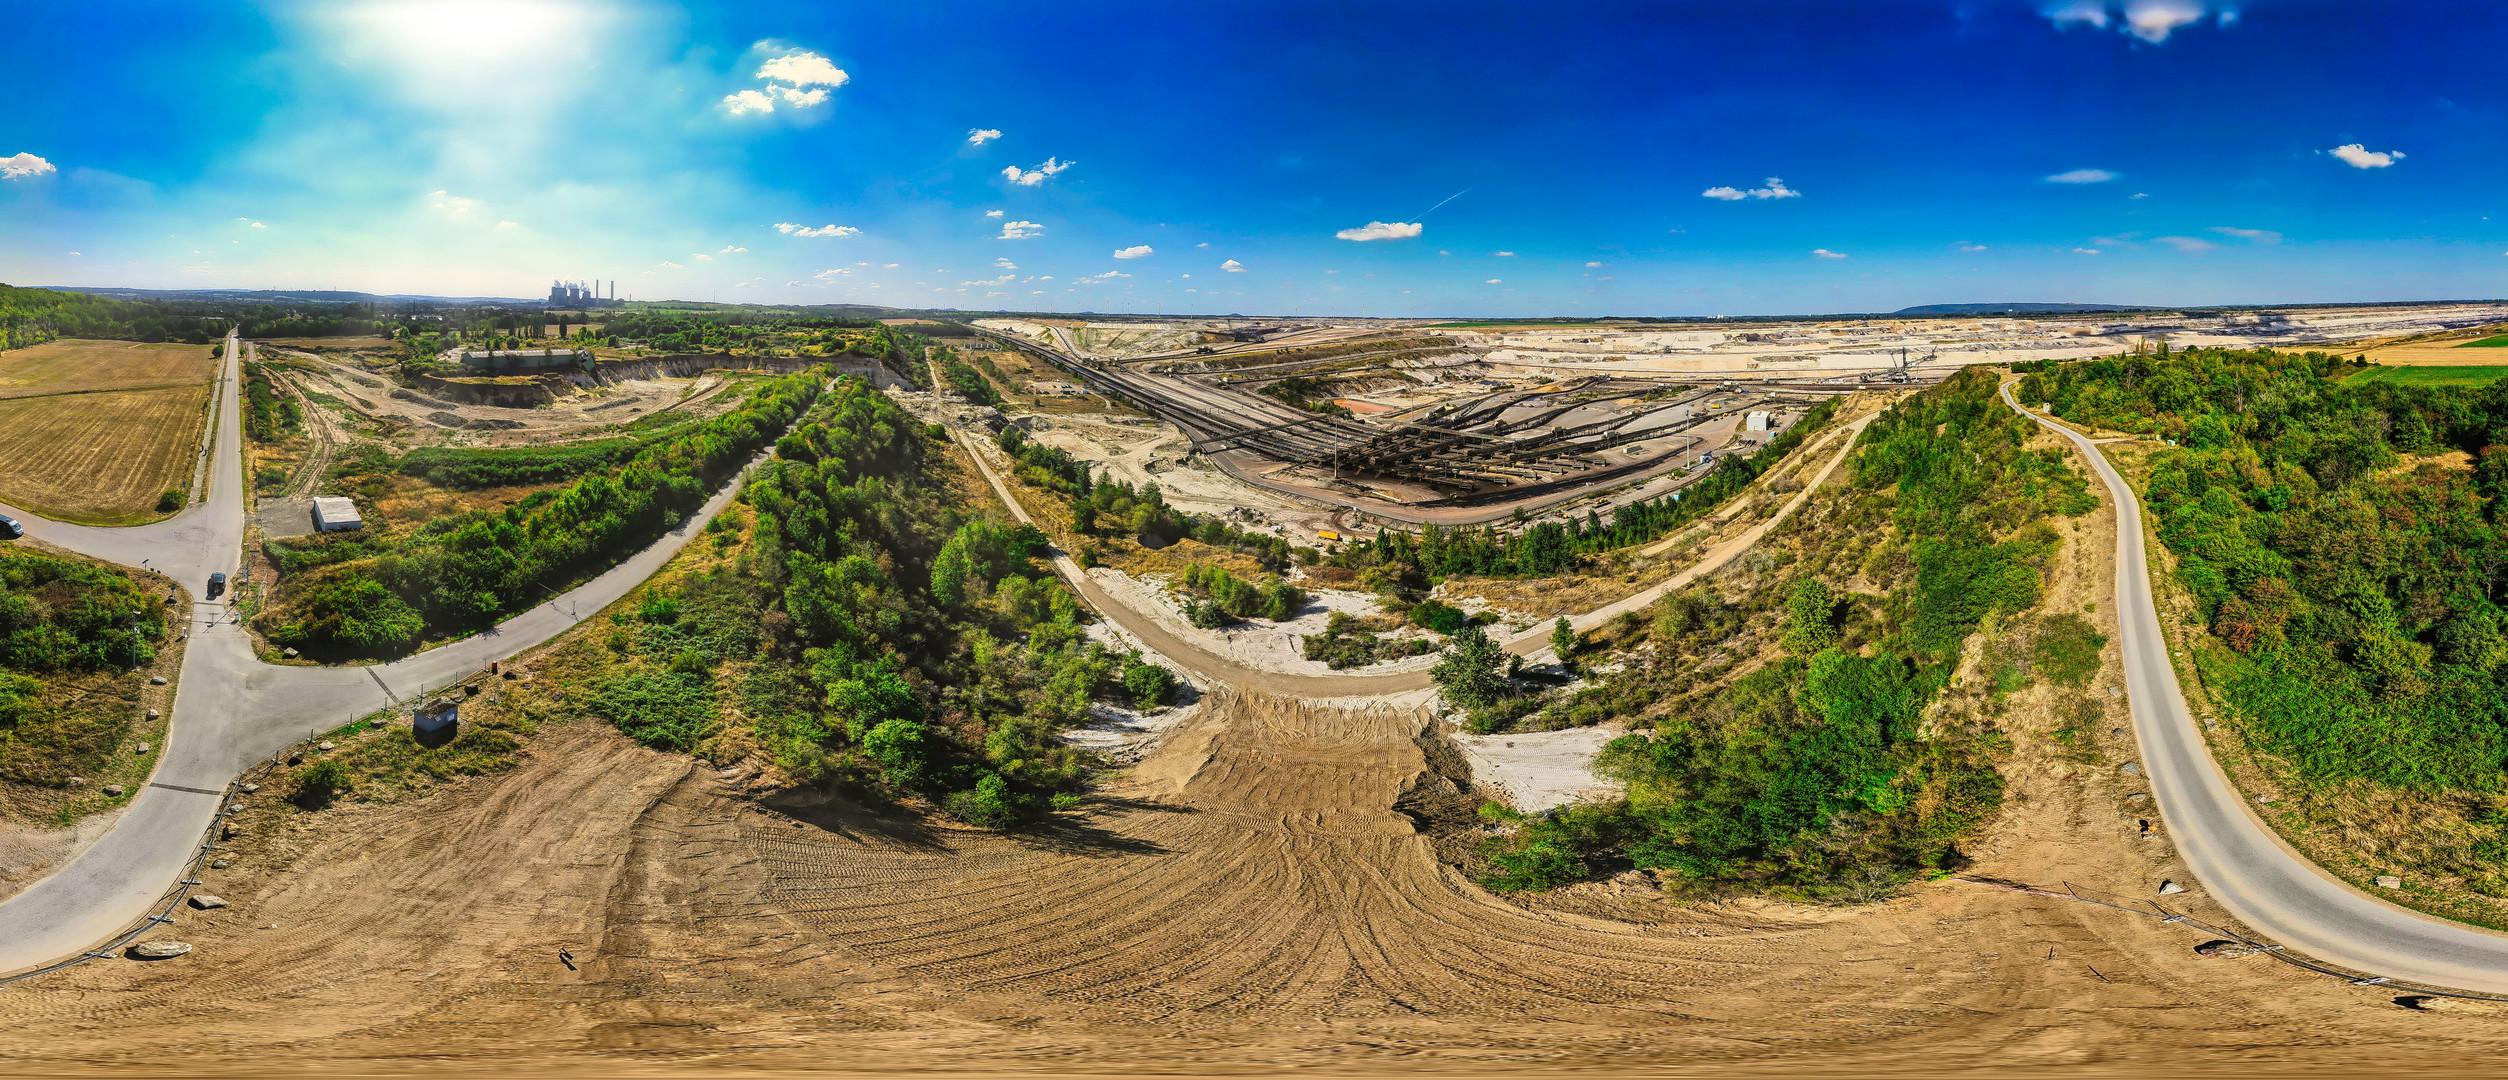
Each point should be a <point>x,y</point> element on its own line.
<point>100,459</point>
<point>78,366</point>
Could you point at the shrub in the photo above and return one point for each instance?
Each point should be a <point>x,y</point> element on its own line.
<point>1439,616</point>
<point>1149,684</point>
<point>320,784</point>
<point>1470,672</point>
<point>169,500</point>
<point>990,804</point>
<point>665,710</point>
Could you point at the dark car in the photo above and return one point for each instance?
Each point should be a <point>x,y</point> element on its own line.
<point>10,528</point>
<point>217,583</point>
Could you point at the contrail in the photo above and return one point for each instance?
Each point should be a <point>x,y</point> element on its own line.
<point>1442,202</point>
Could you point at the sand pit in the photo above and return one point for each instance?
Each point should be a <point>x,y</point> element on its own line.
<point>1537,770</point>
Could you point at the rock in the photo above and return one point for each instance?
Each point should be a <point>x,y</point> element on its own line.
<point>206,901</point>
<point>2171,888</point>
<point>2223,950</point>
<point>76,781</point>
<point>156,680</point>
<point>249,788</point>
<point>114,790</point>
<point>234,807</point>
<point>140,749</point>
<point>158,950</point>
<point>2442,1003</point>
<point>327,745</point>
<point>296,759</point>
<point>2130,768</point>
<point>154,714</point>
<point>228,831</point>
<point>289,652</point>
<point>2389,881</point>
<point>2138,796</point>
<point>220,864</point>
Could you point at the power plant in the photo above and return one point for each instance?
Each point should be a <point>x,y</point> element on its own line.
<point>580,294</point>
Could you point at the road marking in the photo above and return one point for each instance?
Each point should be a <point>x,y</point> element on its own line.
<point>193,790</point>
<point>378,681</point>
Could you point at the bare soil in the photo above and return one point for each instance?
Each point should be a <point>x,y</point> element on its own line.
<point>94,431</point>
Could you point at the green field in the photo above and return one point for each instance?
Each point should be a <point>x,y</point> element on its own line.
<point>2450,375</point>
<point>2495,341</point>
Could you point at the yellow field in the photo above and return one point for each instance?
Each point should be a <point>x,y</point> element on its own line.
<point>93,431</point>
<point>78,366</point>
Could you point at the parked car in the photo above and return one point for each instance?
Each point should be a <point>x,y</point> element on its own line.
<point>10,528</point>
<point>217,583</point>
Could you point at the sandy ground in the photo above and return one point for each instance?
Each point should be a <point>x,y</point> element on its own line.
<point>1537,770</point>
<point>430,418</point>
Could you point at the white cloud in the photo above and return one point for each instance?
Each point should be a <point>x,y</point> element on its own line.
<point>1113,274</point>
<point>669,265</point>
<point>832,274</point>
<point>1002,263</point>
<point>2086,251</point>
<point>2187,244</point>
<point>980,136</point>
<point>1038,175</point>
<point>1381,230</point>
<point>701,256</point>
<point>1824,253</point>
<point>2261,236</point>
<point>992,213</point>
<point>2139,195</point>
<point>1592,265</point>
<point>1232,266</point>
<point>2118,240</point>
<point>2093,12</point>
<point>1136,251</point>
<point>451,203</point>
<point>1204,243</point>
<point>804,68</point>
<point>1505,254</point>
<point>1019,230</point>
<point>1494,281</point>
<point>2154,20</point>
<point>21,165</point>
<point>731,249</point>
<point>1966,246</point>
<point>259,225</point>
<point>744,102</point>
<point>2361,157</point>
<point>2082,176</point>
<point>1776,189</point>
<point>892,266</point>
<point>508,225</point>
<point>785,77</point>
<point>838,231</point>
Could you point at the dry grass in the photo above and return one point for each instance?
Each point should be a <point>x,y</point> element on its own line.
<point>79,366</point>
<point>100,459</point>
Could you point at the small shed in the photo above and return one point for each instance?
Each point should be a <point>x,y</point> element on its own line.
<point>336,514</point>
<point>1756,420</point>
<point>436,715</point>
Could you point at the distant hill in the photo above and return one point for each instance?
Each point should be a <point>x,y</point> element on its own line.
<point>2018,309</point>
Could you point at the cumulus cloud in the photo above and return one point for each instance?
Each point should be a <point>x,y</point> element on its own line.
<point>2086,251</point>
<point>2155,20</point>
<point>2151,20</point>
<point>1592,265</point>
<point>1019,230</point>
<point>2361,157</point>
<point>700,256</point>
<point>1494,281</point>
<point>1824,253</point>
<point>2261,236</point>
<point>1966,246</point>
<point>450,203</point>
<point>1037,175</point>
<point>74,254</point>
<point>1381,230</point>
<point>832,274</point>
<point>669,265</point>
<point>1004,264</point>
<point>2190,245</point>
<point>1776,189</point>
<point>509,225</point>
<point>799,78</point>
<point>1232,266</point>
<point>21,165</point>
<point>731,249</point>
<point>980,136</point>
<point>2082,176</point>
<point>1504,254</point>
<point>838,231</point>
<point>892,266</point>
<point>1112,274</point>
<point>992,213</point>
<point>1136,251</point>
<point>2139,195</point>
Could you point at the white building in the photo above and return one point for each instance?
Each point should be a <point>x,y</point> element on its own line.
<point>336,515</point>
<point>1756,420</point>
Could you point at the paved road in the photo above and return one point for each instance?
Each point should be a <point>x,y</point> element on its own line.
<point>231,710</point>
<point>1212,666</point>
<point>2267,885</point>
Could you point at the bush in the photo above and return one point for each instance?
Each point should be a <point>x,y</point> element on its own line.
<point>1439,616</point>
<point>668,710</point>
<point>1470,672</point>
<point>990,804</point>
<point>169,500</point>
<point>1149,684</point>
<point>320,784</point>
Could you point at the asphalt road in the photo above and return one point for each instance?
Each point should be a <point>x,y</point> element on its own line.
<point>231,710</point>
<point>2264,882</point>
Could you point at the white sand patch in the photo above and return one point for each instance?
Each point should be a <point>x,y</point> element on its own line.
<point>1256,643</point>
<point>1540,769</point>
<point>1127,735</point>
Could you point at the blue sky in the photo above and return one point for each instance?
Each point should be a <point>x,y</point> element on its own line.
<point>1660,159</point>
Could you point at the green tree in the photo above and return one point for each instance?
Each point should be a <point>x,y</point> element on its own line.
<point>1563,639</point>
<point>1470,672</point>
<point>1808,617</point>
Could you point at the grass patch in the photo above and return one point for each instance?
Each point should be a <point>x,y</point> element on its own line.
<point>2495,341</point>
<point>2451,375</point>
